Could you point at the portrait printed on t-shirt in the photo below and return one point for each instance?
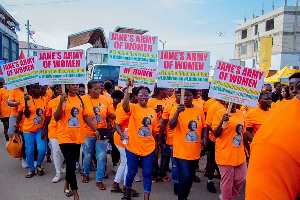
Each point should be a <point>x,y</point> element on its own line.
<point>74,121</point>
<point>97,118</point>
<point>38,119</point>
<point>145,131</point>
<point>237,140</point>
<point>192,135</point>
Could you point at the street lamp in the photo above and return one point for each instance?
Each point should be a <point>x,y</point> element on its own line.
<point>163,43</point>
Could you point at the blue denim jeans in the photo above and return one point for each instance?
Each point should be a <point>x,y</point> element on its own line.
<point>175,173</point>
<point>187,170</point>
<point>88,152</point>
<point>30,139</point>
<point>133,163</point>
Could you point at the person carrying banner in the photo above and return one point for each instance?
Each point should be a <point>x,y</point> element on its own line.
<point>70,132</point>
<point>97,108</point>
<point>14,99</point>
<point>5,110</point>
<point>188,123</point>
<point>285,93</point>
<point>50,129</point>
<point>119,136</point>
<point>230,155</point>
<point>34,115</point>
<point>142,128</point>
<point>275,153</point>
<point>158,102</point>
<point>164,127</point>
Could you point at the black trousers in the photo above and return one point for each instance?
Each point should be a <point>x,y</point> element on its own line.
<point>71,152</point>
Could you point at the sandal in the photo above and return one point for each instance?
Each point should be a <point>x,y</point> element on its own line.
<point>134,193</point>
<point>39,170</point>
<point>30,174</point>
<point>101,186</point>
<point>116,190</point>
<point>154,180</point>
<point>85,179</point>
<point>126,197</point>
<point>165,179</point>
<point>68,193</point>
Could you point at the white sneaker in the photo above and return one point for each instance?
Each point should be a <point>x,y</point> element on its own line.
<point>115,169</point>
<point>57,178</point>
<point>35,164</point>
<point>220,196</point>
<point>137,178</point>
<point>63,170</point>
<point>24,163</point>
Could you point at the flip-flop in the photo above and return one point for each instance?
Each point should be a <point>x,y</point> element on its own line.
<point>101,186</point>
<point>68,193</point>
<point>118,190</point>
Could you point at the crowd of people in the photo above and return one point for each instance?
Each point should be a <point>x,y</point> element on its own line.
<point>154,130</point>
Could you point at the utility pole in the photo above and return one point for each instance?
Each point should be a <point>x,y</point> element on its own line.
<point>163,43</point>
<point>28,32</point>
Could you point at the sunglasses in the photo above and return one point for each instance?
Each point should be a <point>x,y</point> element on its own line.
<point>143,95</point>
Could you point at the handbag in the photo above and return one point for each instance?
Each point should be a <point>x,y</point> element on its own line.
<point>104,133</point>
<point>14,146</point>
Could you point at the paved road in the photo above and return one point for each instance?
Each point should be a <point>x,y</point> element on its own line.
<point>14,185</point>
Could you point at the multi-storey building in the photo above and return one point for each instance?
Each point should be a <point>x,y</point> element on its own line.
<point>9,45</point>
<point>282,25</point>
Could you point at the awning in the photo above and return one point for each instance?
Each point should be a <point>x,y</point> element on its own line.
<point>282,75</point>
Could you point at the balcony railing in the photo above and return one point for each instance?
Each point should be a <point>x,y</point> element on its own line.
<point>8,31</point>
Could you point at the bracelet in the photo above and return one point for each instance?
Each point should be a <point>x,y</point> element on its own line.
<point>17,125</point>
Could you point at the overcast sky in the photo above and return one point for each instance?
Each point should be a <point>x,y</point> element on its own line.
<point>183,24</point>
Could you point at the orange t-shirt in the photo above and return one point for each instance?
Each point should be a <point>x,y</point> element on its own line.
<point>172,98</point>
<point>142,122</point>
<point>212,110</point>
<point>279,104</point>
<point>198,102</point>
<point>52,126</point>
<point>15,95</point>
<point>230,146</point>
<point>187,133</point>
<point>108,97</point>
<point>37,114</point>
<point>152,103</point>
<point>166,115</point>
<point>70,126</point>
<point>274,164</point>
<point>208,103</point>
<point>120,114</point>
<point>97,110</point>
<point>5,110</point>
<point>256,117</point>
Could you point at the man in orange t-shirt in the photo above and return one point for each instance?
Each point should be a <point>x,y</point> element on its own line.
<point>276,142</point>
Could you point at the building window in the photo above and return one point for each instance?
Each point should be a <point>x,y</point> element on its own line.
<point>14,56</point>
<point>256,29</point>
<point>243,49</point>
<point>255,47</point>
<point>244,33</point>
<point>270,25</point>
<point>5,53</point>
<point>34,53</point>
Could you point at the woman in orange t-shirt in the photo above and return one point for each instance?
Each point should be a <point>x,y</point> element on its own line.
<point>70,133</point>
<point>50,129</point>
<point>257,116</point>
<point>230,155</point>
<point>188,123</point>
<point>32,128</point>
<point>142,128</point>
<point>285,93</point>
<point>5,110</point>
<point>158,102</point>
<point>97,109</point>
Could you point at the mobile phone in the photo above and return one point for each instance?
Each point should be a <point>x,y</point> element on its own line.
<point>159,107</point>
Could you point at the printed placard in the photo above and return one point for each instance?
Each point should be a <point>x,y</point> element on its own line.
<point>236,84</point>
<point>141,77</point>
<point>20,73</point>
<point>132,50</point>
<point>183,69</point>
<point>61,67</point>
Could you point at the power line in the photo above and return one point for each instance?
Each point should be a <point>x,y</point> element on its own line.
<point>45,3</point>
